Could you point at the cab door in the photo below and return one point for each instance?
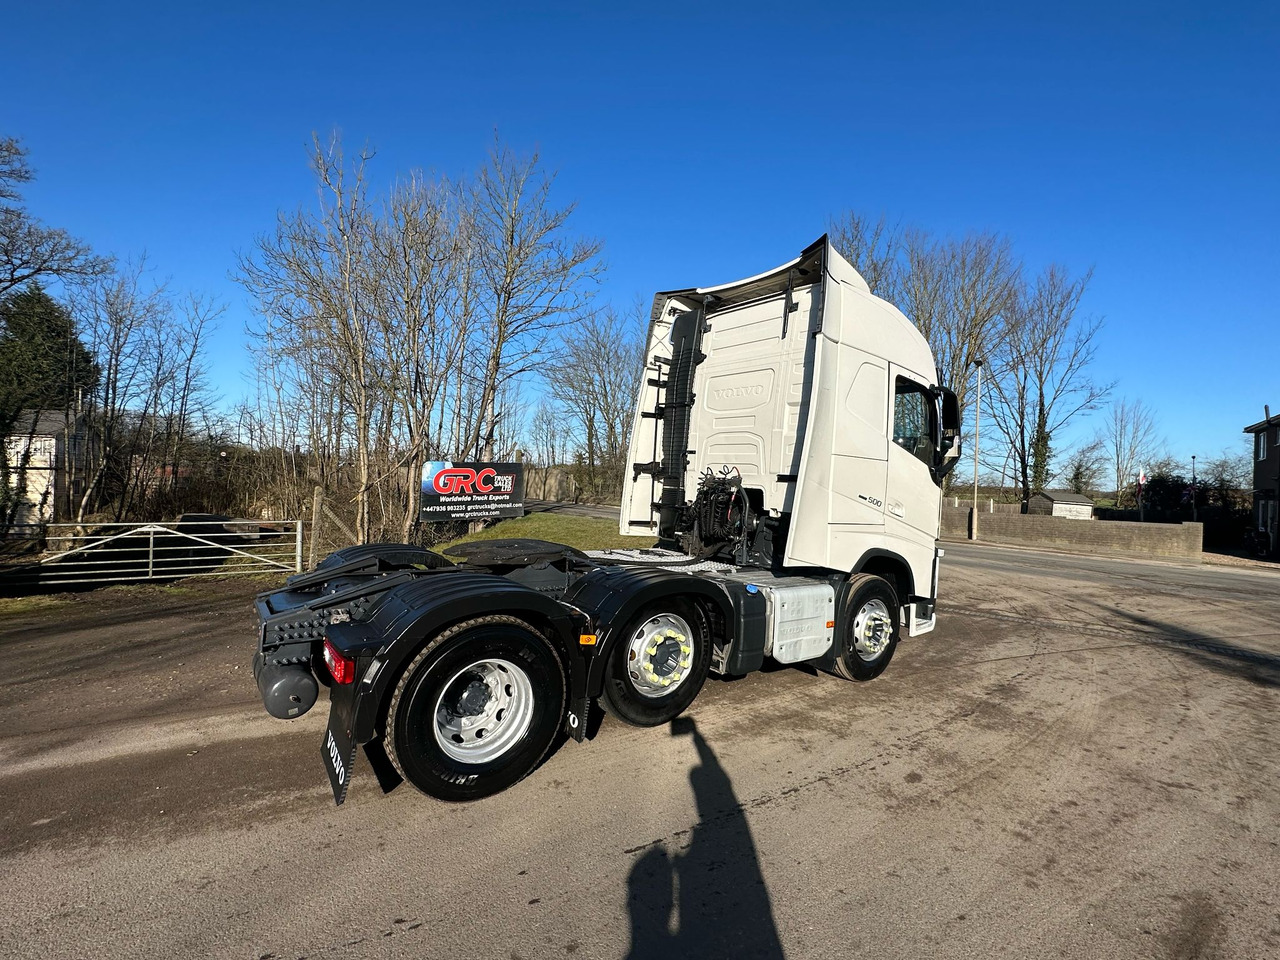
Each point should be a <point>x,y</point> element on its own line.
<point>911,494</point>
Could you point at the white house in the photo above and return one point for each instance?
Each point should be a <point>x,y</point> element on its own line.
<point>45,453</point>
<point>1060,503</point>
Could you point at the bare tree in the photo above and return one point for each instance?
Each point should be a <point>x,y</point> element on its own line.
<point>547,435</point>
<point>1130,437</point>
<point>313,278</point>
<point>873,247</point>
<point>185,399</point>
<point>962,301</point>
<point>1227,479</point>
<point>14,169</point>
<point>595,376</point>
<point>1041,377</point>
<point>1084,467</point>
<point>415,244</point>
<point>1231,470</point>
<point>151,407</point>
<point>28,249</point>
<point>533,275</point>
<point>122,314</point>
<point>396,328</point>
<point>512,419</point>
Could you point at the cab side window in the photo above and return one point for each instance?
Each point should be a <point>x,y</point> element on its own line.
<point>913,419</point>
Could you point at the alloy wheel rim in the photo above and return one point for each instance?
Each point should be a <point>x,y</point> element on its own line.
<point>660,655</point>
<point>484,710</point>
<point>872,629</point>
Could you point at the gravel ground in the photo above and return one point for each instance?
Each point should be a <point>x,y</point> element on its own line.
<point>1081,761</point>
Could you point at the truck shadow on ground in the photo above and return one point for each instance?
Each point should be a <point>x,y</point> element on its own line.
<point>714,885</point>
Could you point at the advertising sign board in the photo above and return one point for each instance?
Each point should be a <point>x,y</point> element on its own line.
<point>471,491</point>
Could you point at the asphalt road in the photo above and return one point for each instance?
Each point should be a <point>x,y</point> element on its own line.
<point>602,511</point>
<point>1082,761</point>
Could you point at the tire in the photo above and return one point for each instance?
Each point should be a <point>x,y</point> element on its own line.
<point>477,709</point>
<point>872,610</point>
<point>648,693</point>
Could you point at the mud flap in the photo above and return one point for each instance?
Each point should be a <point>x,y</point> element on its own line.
<point>575,721</point>
<point>339,752</point>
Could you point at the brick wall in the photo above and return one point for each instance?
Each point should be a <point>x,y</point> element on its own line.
<point>1112,538</point>
<point>955,522</point>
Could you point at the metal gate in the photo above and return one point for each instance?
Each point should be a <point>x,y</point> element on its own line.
<point>204,547</point>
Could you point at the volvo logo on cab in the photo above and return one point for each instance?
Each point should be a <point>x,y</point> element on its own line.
<point>740,390</point>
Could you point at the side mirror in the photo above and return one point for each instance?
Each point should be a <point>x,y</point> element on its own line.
<point>948,440</point>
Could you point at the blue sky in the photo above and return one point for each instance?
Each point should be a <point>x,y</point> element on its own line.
<point>703,144</point>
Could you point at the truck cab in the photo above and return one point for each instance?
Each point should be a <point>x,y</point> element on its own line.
<point>811,403</point>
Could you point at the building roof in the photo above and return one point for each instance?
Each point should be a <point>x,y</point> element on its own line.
<point>42,423</point>
<point>1063,496</point>
<point>1263,424</point>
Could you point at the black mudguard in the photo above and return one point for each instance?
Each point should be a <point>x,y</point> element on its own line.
<point>409,614</point>
<point>612,596</point>
<point>385,641</point>
<point>292,619</point>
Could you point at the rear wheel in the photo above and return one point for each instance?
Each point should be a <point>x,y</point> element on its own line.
<point>870,628</point>
<point>658,664</point>
<point>477,709</point>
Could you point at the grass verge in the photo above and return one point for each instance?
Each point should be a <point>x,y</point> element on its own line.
<point>584,533</point>
<point>13,606</point>
<point>103,594</point>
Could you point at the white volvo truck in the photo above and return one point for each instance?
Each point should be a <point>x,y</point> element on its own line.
<point>788,449</point>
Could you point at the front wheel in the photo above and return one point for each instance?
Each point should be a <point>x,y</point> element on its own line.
<point>658,664</point>
<point>477,709</point>
<point>870,628</point>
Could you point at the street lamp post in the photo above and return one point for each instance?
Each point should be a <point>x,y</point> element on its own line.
<point>977,417</point>
<point>1193,488</point>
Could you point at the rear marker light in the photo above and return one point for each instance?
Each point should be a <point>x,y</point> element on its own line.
<point>342,669</point>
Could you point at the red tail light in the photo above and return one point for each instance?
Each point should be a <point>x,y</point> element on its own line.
<point>342,669</point>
